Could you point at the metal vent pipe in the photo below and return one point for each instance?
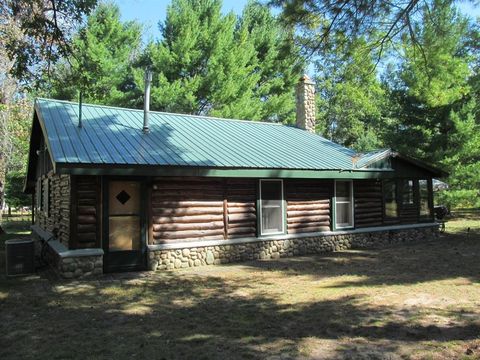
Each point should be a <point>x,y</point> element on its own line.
<point>146,100</point>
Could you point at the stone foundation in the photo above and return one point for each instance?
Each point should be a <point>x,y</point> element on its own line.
<point>80,267</point>
<point>169,259</point>
<point>69,264</point>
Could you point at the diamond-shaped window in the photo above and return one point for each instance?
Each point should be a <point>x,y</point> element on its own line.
<point>123,197</point>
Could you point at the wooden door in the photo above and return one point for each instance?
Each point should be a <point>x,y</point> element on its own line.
<point>124,247</point>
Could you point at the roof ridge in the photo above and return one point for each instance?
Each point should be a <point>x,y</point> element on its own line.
<point>166,113</point>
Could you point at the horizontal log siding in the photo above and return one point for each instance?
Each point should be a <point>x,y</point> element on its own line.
<point>241,197</point>
<point>308,205</point>
<point>409,214</point>
<point>368,203</point>
<point>184,209</point>
<point>86,211</point>
<point>189,209</point>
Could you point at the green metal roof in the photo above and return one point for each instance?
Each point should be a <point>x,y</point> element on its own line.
<point>371,157</point>
<point>112,138</point>
<point>112,135</point>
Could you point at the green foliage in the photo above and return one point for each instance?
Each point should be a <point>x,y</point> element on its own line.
<point>101,67</point>
<point>277,60</point>
<point>432,98</point>
<point>458,199</point>
<point>426,103</point>
<point>19,124</point>
<point>37,33</point>
<point>210,63</point>
<point>436,73</point>
<point>14,195</point>
<point>350,97</point>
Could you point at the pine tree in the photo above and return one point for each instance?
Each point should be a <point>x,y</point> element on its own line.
<point>432,83</point>
<point>199,65</point>
<point>101,66</point>
<point>278,61</point>
<point>434,102</point>
<point>351,97</point>
<point>215,64</point>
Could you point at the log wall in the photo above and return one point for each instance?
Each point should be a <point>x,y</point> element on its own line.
<point>409,214</point>
<point>186,209</point>
<point>86,212</point>
<point>240,202</point>
<point>368,199</point>
<point>308,205</point>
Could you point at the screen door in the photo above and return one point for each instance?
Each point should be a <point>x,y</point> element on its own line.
<point>125,248</point>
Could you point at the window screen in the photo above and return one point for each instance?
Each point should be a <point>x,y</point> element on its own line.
<point>271,204</point>
<point>343,204</point>
<point>407,192</point>
<point>390,196</point>
<point>124,223</point>
<point>424,198</point>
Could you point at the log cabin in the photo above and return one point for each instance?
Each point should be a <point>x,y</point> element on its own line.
<point>187,190</point>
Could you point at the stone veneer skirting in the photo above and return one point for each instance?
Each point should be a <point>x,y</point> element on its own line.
<point>68,264</point>
<point>185,255</point>
<point>58,216</point>
<point>89,262</point>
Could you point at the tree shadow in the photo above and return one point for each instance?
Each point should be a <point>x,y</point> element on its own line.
<point>168,316</point>
<point>451,256</point>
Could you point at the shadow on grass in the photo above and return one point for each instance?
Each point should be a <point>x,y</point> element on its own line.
<point>200,316</point>
<point>450,256</point>
<point>197,317</point>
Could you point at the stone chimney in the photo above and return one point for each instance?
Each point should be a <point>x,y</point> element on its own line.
<point>305,99</point>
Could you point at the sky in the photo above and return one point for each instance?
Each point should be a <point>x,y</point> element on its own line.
<point>150,12</point>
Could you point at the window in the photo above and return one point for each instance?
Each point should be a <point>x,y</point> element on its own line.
<point>407,192</point>
<point>390,198</point>
<point>343,204</point>
<point>424,198</point>
<point>271,207</point>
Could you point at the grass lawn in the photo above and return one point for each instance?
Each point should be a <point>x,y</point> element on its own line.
<point>418,301</point>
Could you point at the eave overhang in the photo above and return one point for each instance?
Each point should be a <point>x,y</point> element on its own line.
<point>130,170</point>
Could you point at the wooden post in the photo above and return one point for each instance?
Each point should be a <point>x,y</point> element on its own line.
<point>225,210</point>
<point>149,213</point>
<point>72,243</point>
<point>33,208</point>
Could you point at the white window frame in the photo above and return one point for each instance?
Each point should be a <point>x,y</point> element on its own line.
<point>261,206</point>
<point>352,206</point>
